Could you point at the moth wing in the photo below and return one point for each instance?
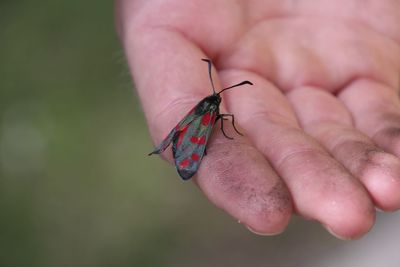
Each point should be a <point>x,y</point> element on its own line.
<point>189,145</point>
<point>174,132</point>
<point>165,143</point>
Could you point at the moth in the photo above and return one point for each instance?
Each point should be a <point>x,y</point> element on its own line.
<point>190,136</point>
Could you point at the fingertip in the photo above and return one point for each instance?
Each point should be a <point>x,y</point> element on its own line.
<point>348,221</point>
<point>237,178</point>
<point>386,195</point>
<point>269,224</point>
<point>380,174</point>
<point>385,191</point>
<point>273,218</point>
<point>351,231</point>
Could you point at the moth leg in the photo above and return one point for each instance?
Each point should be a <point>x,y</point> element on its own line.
<point>233,121</point>
<point>205,151</point>
<point>221,116</point>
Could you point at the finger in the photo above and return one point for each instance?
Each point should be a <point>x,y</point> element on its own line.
<point>171,79</point>
<point>237,178</point>
<point>328,120</point>
<point>321,188</point>
<point>376,111</point>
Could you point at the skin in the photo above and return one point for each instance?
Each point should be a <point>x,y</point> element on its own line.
<point>321,124</point>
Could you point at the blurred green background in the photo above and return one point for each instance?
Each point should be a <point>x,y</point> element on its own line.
<point>76,186</point>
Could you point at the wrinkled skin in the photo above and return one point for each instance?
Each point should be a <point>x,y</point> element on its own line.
<point>321,123</point>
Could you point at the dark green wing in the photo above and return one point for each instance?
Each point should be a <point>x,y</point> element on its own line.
<point>189,145</point>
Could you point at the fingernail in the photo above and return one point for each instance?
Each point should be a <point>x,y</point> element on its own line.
<point>378,209</point>
<point>262,234</point>
<point>336,235</point>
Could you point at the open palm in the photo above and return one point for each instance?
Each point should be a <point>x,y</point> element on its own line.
<point>321,123</point>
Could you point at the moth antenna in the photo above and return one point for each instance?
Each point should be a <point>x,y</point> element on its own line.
<point>239,84</point>
<point>209,73</point>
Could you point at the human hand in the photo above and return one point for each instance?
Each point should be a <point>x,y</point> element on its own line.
<point>321,122</point>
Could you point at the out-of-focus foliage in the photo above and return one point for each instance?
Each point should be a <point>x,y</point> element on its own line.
<point>76,186</point>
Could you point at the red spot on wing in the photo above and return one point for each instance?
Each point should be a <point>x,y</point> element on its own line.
<point>184,163</point>
<point>195,157</point>
<point>182,134</point>
<point>213,117</point>
<point>202,140</point>
<point>205,120</point>
<point>198,140</point>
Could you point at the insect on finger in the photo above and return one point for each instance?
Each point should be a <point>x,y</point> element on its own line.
<point>190,136</point>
